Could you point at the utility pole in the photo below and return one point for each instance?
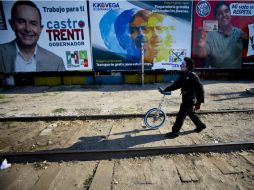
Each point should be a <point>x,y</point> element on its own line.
<point>142,63</point>
<point>141,41</point>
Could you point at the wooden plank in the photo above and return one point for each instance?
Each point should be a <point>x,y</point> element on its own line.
<point>248,157</point>
<point>28,177</point>
<point>143,174</point>
<point>74,176</point>
<point>193,176</point>
<point>184,176</point>
<point>47,177</point>
<point>9,176</point>
<point>223,166</point>
<point>206,172</point>
<point>103,176</point>
<point>211,177</point>
<point>185,170</point>
<point>165,173</point>
<point>125,174</point>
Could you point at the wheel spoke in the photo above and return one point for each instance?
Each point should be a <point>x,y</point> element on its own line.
<point>154,118</point>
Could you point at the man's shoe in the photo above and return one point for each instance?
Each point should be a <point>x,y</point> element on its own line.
<point>199,129</point>
<point>172,135</point>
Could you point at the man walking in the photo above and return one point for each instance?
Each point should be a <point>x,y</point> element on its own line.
<point>192,96</point>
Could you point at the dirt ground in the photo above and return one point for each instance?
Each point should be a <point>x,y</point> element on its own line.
<point>116,99</point>
<point>119,133</point>
<point>202,171</point>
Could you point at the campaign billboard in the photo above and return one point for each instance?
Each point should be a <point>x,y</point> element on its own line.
<point>121,31</point>
<point>43,36</point>
<point>223,34</point>
<point>2,19</point>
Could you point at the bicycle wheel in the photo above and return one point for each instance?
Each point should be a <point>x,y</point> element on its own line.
<point>154,118</point>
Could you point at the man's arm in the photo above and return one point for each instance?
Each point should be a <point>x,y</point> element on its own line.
<point>176,85</point>
<point>199,90</point>
<point>201,49</point>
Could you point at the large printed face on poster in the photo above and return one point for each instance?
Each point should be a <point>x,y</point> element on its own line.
<point>223,33</point>
<point>122,30</point>
<point>42,36</point>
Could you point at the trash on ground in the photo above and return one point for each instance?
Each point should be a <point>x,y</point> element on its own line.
<point>5,165</point>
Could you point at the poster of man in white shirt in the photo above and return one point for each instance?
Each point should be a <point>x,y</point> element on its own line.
<point>23,54</point>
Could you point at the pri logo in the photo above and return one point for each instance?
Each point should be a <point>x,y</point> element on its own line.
<point>203,8</point>
<point>76,58</point>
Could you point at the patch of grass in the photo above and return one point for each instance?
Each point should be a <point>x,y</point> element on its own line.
<point>8,124</point>
<point>59,110</point>
<point>45,94</point>
<point>2,96</point>
<point>5,102</point>
<point>50,93</point>
<point>36,96</point>
<point>87,110</point>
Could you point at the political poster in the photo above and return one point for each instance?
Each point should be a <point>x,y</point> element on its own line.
<point>43,36</point>
<point>123,31</point>
<point>223,33</point>
<point>2,19</point>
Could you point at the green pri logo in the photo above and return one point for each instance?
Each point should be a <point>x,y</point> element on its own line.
<point>83,58</point>
<point>76,58</point>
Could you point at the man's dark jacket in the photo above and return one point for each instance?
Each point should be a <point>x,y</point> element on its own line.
<point>191,88</point>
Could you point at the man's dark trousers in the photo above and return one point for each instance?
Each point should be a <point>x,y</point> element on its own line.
<point>187,109</point>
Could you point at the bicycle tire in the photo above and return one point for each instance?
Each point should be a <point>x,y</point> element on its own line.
<point>154,118</point>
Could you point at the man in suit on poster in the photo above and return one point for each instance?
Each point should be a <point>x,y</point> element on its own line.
<point>24,54</point>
